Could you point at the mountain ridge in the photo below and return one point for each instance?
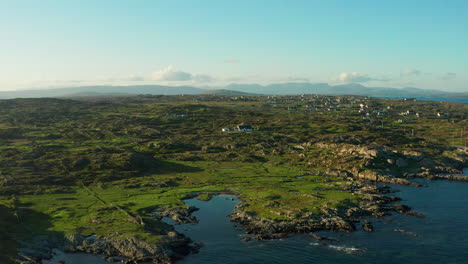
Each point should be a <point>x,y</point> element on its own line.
<point>233,89</point>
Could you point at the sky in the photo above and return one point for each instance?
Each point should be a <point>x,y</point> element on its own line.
<point>209,43</point>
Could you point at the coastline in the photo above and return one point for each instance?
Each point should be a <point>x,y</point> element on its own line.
<point>376,204</point>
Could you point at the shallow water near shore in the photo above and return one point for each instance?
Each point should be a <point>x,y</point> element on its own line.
<point>440,237</point>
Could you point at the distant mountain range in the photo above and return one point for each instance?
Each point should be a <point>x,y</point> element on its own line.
<point>227,92</point>
<point>345,89</point>
<point>101,91</point>
<point>232,89</point>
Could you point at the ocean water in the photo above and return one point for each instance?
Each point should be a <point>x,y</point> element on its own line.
<point>441,237</point>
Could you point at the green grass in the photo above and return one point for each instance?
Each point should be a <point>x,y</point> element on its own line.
<point>204,197</point>
<point>93,209</point>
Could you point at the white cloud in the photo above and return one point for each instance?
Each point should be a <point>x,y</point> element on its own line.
<point>169,74</point>
<point>411,72</point>
<point>353,77</point>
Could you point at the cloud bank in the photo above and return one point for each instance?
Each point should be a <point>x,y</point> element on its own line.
<point>169,74</point>
<point>353,77</point>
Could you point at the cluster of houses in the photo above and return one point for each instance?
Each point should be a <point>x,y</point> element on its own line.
<point>316,103</point>
<point>239,128</point>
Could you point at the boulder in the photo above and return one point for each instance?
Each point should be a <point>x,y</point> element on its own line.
<point>367,226</point>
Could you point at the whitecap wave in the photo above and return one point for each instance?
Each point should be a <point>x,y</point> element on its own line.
<point>347,250</point>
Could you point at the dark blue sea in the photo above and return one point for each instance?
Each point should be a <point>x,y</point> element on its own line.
<point>441,237</point>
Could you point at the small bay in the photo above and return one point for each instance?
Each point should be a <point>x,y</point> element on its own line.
<point>441,236</point>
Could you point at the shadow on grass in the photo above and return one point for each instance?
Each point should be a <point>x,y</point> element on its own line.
<point>8,227</point>
<point>22,229</point>
<point>171,167</point>
<point>347,203</point>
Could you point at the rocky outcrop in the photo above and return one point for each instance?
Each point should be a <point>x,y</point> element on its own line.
<point>384,164</point>
<point>367,226</point>
<point>181,215</point>
<point>127,250</point>
<point>381,177</point>
<point>373,203</point>
<point>442,173</point>
<point>132,249</point>
<point>308,223</point>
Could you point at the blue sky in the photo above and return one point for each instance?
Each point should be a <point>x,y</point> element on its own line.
<point>56,43</point>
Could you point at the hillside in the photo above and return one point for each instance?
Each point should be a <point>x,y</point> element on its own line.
<point>226,92</point>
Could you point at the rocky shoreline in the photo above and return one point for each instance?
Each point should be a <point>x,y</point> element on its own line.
<point>115,249</point>
<point>374,203</point>
<point>175,245</point>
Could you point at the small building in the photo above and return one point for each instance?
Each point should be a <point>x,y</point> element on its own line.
<point>226,129</point>
<point>408,112</point>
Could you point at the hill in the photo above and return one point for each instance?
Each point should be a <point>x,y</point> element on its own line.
<point>227,92</point>
<point>101,90</point>
<point>344,89</point>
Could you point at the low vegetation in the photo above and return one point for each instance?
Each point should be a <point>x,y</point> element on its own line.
<point>104,166</point>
